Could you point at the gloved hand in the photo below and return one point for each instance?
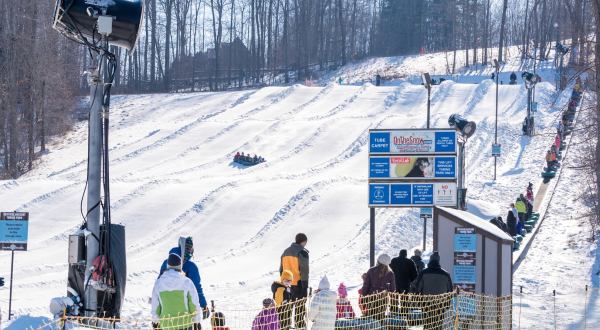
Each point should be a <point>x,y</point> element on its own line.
<point>155,326</point>
<point>197,326</point>
<point>205,313</point>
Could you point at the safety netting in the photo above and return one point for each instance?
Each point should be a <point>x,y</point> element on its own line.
<point>324,310</point>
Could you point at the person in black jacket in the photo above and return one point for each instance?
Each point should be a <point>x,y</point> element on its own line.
<point>434,281</point>
<point>511,223</point>
<point>418,261</point>
<point>404,270</point>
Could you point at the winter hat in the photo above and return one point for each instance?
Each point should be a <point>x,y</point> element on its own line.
<point>174,261</point>
<point>403,253</point>
<point>324,284</point>
<point>268,302</point>
<point>342,291</point>
<point>287,275</point>
<point>418,252</point>
<point>187,247</point>
<point>435,256</point>
<point>301,238</point>
<point>384,259</point>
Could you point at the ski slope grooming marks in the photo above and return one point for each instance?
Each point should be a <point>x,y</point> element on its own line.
<point>173,175</point>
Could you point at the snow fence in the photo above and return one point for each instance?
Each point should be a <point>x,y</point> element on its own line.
<point>379,311</point>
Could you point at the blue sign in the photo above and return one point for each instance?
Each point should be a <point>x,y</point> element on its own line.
<point>496,150</point>
<point>412,167</point>
<point>379,194</point>
<point>379,167</point>
<point>465,240</point>
<point>422,194</point>
<point>412,194</point>
<point>445,141</point>
<point>426,211</point>
<point>401,194</point>
<point>465,274</point>
<point>14,230</point>
<point>413,142</point>
<point>445,167</point>
<point>379,142</point>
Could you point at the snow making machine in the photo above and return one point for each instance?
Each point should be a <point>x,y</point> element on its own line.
<point>96,252</point>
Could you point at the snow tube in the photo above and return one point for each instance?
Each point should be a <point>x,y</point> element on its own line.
<point>528,228</point>
<point>548,175</point>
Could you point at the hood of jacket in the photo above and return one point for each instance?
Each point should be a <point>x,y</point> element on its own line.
<point>324,284</point>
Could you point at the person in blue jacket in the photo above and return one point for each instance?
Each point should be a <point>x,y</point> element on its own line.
<point>190,269</point>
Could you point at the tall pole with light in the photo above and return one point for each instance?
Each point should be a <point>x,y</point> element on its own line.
<point>495,146</point>
<point>556,55</point>
<point>427,83</point>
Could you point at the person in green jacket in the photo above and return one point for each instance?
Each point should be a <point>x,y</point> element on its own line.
<point>175,303</point>
<point>522,211</point>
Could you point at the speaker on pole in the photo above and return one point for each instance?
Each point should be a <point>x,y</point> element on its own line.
<point>467,128</point>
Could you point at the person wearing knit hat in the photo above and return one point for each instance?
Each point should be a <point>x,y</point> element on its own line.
<point>434,281</point>
<point>282,293</point>
<point>185,250</point>
<point>267,319</point>
<point>418,260</point>
<point>379,279</point>
<point>175,295</point>
<point>174,262</point>
<point>323,310</point>
<point>344,307</point>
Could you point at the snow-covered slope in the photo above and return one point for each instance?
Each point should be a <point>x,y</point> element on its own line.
<point>172,175</point>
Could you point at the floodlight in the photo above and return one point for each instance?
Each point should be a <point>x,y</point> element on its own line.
<point>467,128</point>
<point>77,20</point>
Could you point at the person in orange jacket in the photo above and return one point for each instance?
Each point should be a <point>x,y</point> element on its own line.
<point>295,259</point>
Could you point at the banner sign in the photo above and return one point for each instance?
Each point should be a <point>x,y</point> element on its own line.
<point>14,230</point>
<point>465,259</point>
<point>413,142</point>
<point>412,167</point>
<point>412,194</point>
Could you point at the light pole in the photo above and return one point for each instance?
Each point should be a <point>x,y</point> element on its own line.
<point>495,154</point>
<point>556,55</point>
<point>427,83</point>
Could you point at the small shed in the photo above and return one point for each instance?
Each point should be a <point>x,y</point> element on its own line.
<point>476,253</point>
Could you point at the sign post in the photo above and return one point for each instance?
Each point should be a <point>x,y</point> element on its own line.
<point>413,168</point>
<point>13,237</point>
<point>426,213</point>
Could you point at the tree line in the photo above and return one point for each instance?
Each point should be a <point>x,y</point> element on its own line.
<point>191,45</point>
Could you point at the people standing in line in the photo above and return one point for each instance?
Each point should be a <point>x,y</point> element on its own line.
<point>405,272</point>
<point>282,294</point>
<point>344,307</point>
<point>185,250</point>
<point>434,280</point>
<point>296,259</point>
<point>515,212</point>
<point>530,192</point>
<point>268,318</point>
<point>418,260</point>
<point>175,299</point>
<point>323,307</point>
<point>380,281</point>
<point>522,212</point>
<point>511,221</point>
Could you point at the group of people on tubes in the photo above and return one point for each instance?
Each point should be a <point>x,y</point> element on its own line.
<point>178,298</point>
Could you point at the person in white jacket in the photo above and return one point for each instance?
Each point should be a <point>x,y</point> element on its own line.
<point>175,303</point>
<point>323,308</point>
